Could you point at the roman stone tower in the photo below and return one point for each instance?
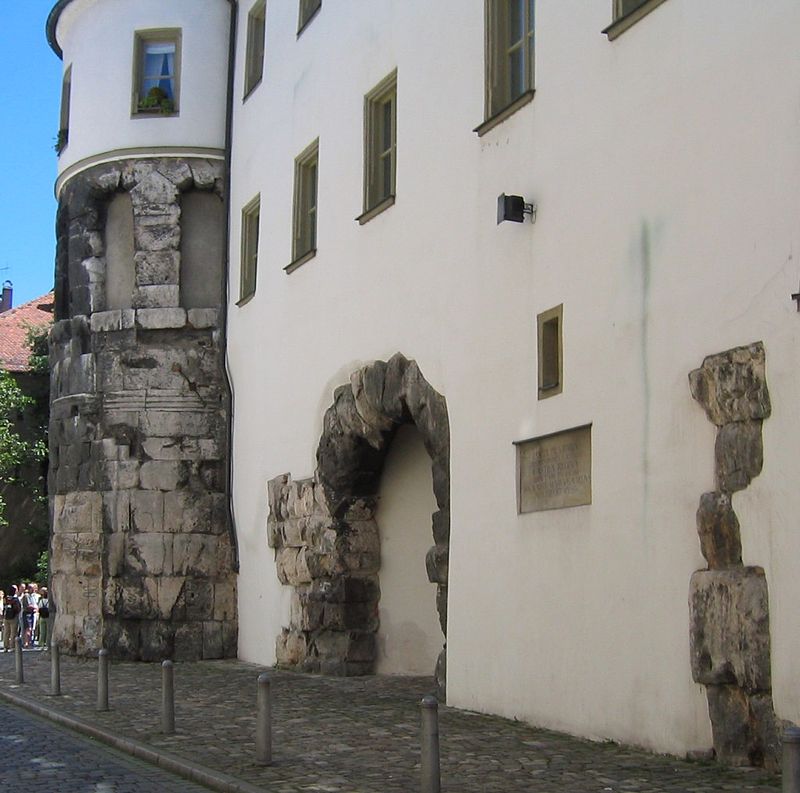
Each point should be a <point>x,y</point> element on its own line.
<point>143,554</point>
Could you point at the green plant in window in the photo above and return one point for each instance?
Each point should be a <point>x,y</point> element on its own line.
<point>61,141</point>
<point>157,101</point>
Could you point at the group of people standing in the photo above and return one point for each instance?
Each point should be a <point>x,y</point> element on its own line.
<point>26,613</point>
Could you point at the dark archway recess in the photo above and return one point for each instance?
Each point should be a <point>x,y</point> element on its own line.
<point>324,530</point>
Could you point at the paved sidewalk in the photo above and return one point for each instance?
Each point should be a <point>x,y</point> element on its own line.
<point>352,735</point>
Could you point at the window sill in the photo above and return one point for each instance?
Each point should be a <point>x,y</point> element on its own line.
<point>502,115</point>
<point>619,26</point>
<point>299,261</point>
<point>252,88</point>
<point>246,299</point>
<point>375,211</point>
<point>154,114</point>
<point>549,391</point>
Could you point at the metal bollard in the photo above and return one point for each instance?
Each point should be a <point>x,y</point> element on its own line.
<point>167,698</point>
<point>55,671</point>
<point>264,721</point>
<point>429,762</point>
<point>102,680</point>
<point>791,760</point>
<point>20,678</point>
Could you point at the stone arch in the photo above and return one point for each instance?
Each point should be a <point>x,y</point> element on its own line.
<point>324,530</point>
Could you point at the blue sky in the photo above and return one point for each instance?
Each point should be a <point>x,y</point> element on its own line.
<point>29,98</point>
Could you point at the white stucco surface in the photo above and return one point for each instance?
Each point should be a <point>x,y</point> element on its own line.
<point>97,39</point>
<point>665,167</point>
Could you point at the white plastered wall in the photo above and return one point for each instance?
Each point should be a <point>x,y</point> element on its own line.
<point>665,165</point>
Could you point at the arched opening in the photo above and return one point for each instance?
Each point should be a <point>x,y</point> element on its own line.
<point>409,637</point>
<point>325,531</point>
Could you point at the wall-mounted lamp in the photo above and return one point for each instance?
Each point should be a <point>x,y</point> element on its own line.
<point>513,207</point>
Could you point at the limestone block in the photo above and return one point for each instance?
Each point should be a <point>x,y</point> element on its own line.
<point>82,374</point>
<point>739,455</point>
<point>441,675</point>
<point>345,589</point>
<point>156,296</point>
<point>201,318</point>
<point>96,243</point>
<point>199,599</point>
<point>224,601</point>
<point>194,425</point>
<point>169,589</point>
<point>197,554</point>
<point>291,648</point>
<point>157,267</point>
<point>440,472</point>
<point>88,634</point>
<point>368,408</point>
<point>147,511</point>
<point>350,616</point>
<point>117,511</point>
<point>102,321</point>
<point>204,173</point>
<point>274,536</point>
<point>115,553</point>
<point>393,384</point>
<point>436,563</point>
<point>212,639</point>
<point>230,638</point>
<point>177,171</point>
<point>729,628</point>
<point>286,565</point>
<point>189,513</point>
<point>441,606</point>
<point>156,642</point>
<point>150,554</point>
<point>441,526</point>
<point>732,386</point>
<point>120,475</point>
<point>718,527</point>
<point>104,178</point>
<point>161,474</point>
<point>89,555</point>
<point>78,512</point>
<point>157,233</point>
<point>428,410</point>
<point>94,269</point>
<point>151,188</point>
<point>160,318</point>
<point>189,641</point>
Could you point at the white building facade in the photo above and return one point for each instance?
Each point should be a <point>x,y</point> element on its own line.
<point>540,407</point>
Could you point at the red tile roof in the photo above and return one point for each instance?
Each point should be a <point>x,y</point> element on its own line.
<point>14,325</point>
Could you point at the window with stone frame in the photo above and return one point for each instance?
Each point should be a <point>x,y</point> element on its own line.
<point>249,253</point>
<point>509,55</point>
<point>304,238</point>
<point>380,147</point>
<point>254,59</point>
<point>157,55</point>
<point>308,9</point>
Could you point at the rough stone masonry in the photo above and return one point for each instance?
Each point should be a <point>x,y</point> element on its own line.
<point>142,555</point>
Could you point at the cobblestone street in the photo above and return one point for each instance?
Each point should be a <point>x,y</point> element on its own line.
<point>353,735</point>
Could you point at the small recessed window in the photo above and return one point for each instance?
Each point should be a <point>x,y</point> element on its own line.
<point>254,60</point>
<point>509,53</point>
<point>308,8</point>
<point>63,127</point>
<point>157,76</point>
<point>249,264</point>
<point>380,146</point>
<point>305,205</point>
<point>550,352</point>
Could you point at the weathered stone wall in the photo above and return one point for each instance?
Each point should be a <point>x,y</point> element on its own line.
<point>142,555</point>
<point>324,532</point>
<point>729,602</point>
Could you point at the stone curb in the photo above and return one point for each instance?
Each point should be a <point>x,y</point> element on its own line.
<point>164,760</point>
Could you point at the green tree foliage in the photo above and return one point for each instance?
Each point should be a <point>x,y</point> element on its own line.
<point>36,342</point>
<point>14,450</point>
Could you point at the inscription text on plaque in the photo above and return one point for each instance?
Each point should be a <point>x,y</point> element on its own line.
<point>555,471</point>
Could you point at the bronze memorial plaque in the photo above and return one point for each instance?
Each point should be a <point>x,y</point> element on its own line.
<point>555,471</point>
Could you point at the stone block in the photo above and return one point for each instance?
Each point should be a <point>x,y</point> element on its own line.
<point>157,641</point>
<point>441,606</point>
<point>224,601</point>
<point>441,526</point>
<point>102,321</point>
<point>201,318</point>
<point>193,425</point>
<point>189,641</point>
<point>147,511</point>
<point>160,318</point>
<point>120,475</point>
<point>739,455</point>
<point>204,173</point>
<point>157,233</point>
<point>230,639</point>
<point>78,512</point>
<point>199,599</point>
<point>161,475</point>
<point>168,594</point>
<point>188,513</point>
<point>177,171</point>
<point>212,640</point>
<point>196,555</point>
<point>156,296</point>
<point>151,188</point>
<point>718,527</point>
<point>82,374</point>
<point>729,628</point>
<point>437,563</point>
<point>732,386</point>
<point>115,553</point>
<point>291,648</point>
<point>150,554</point>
